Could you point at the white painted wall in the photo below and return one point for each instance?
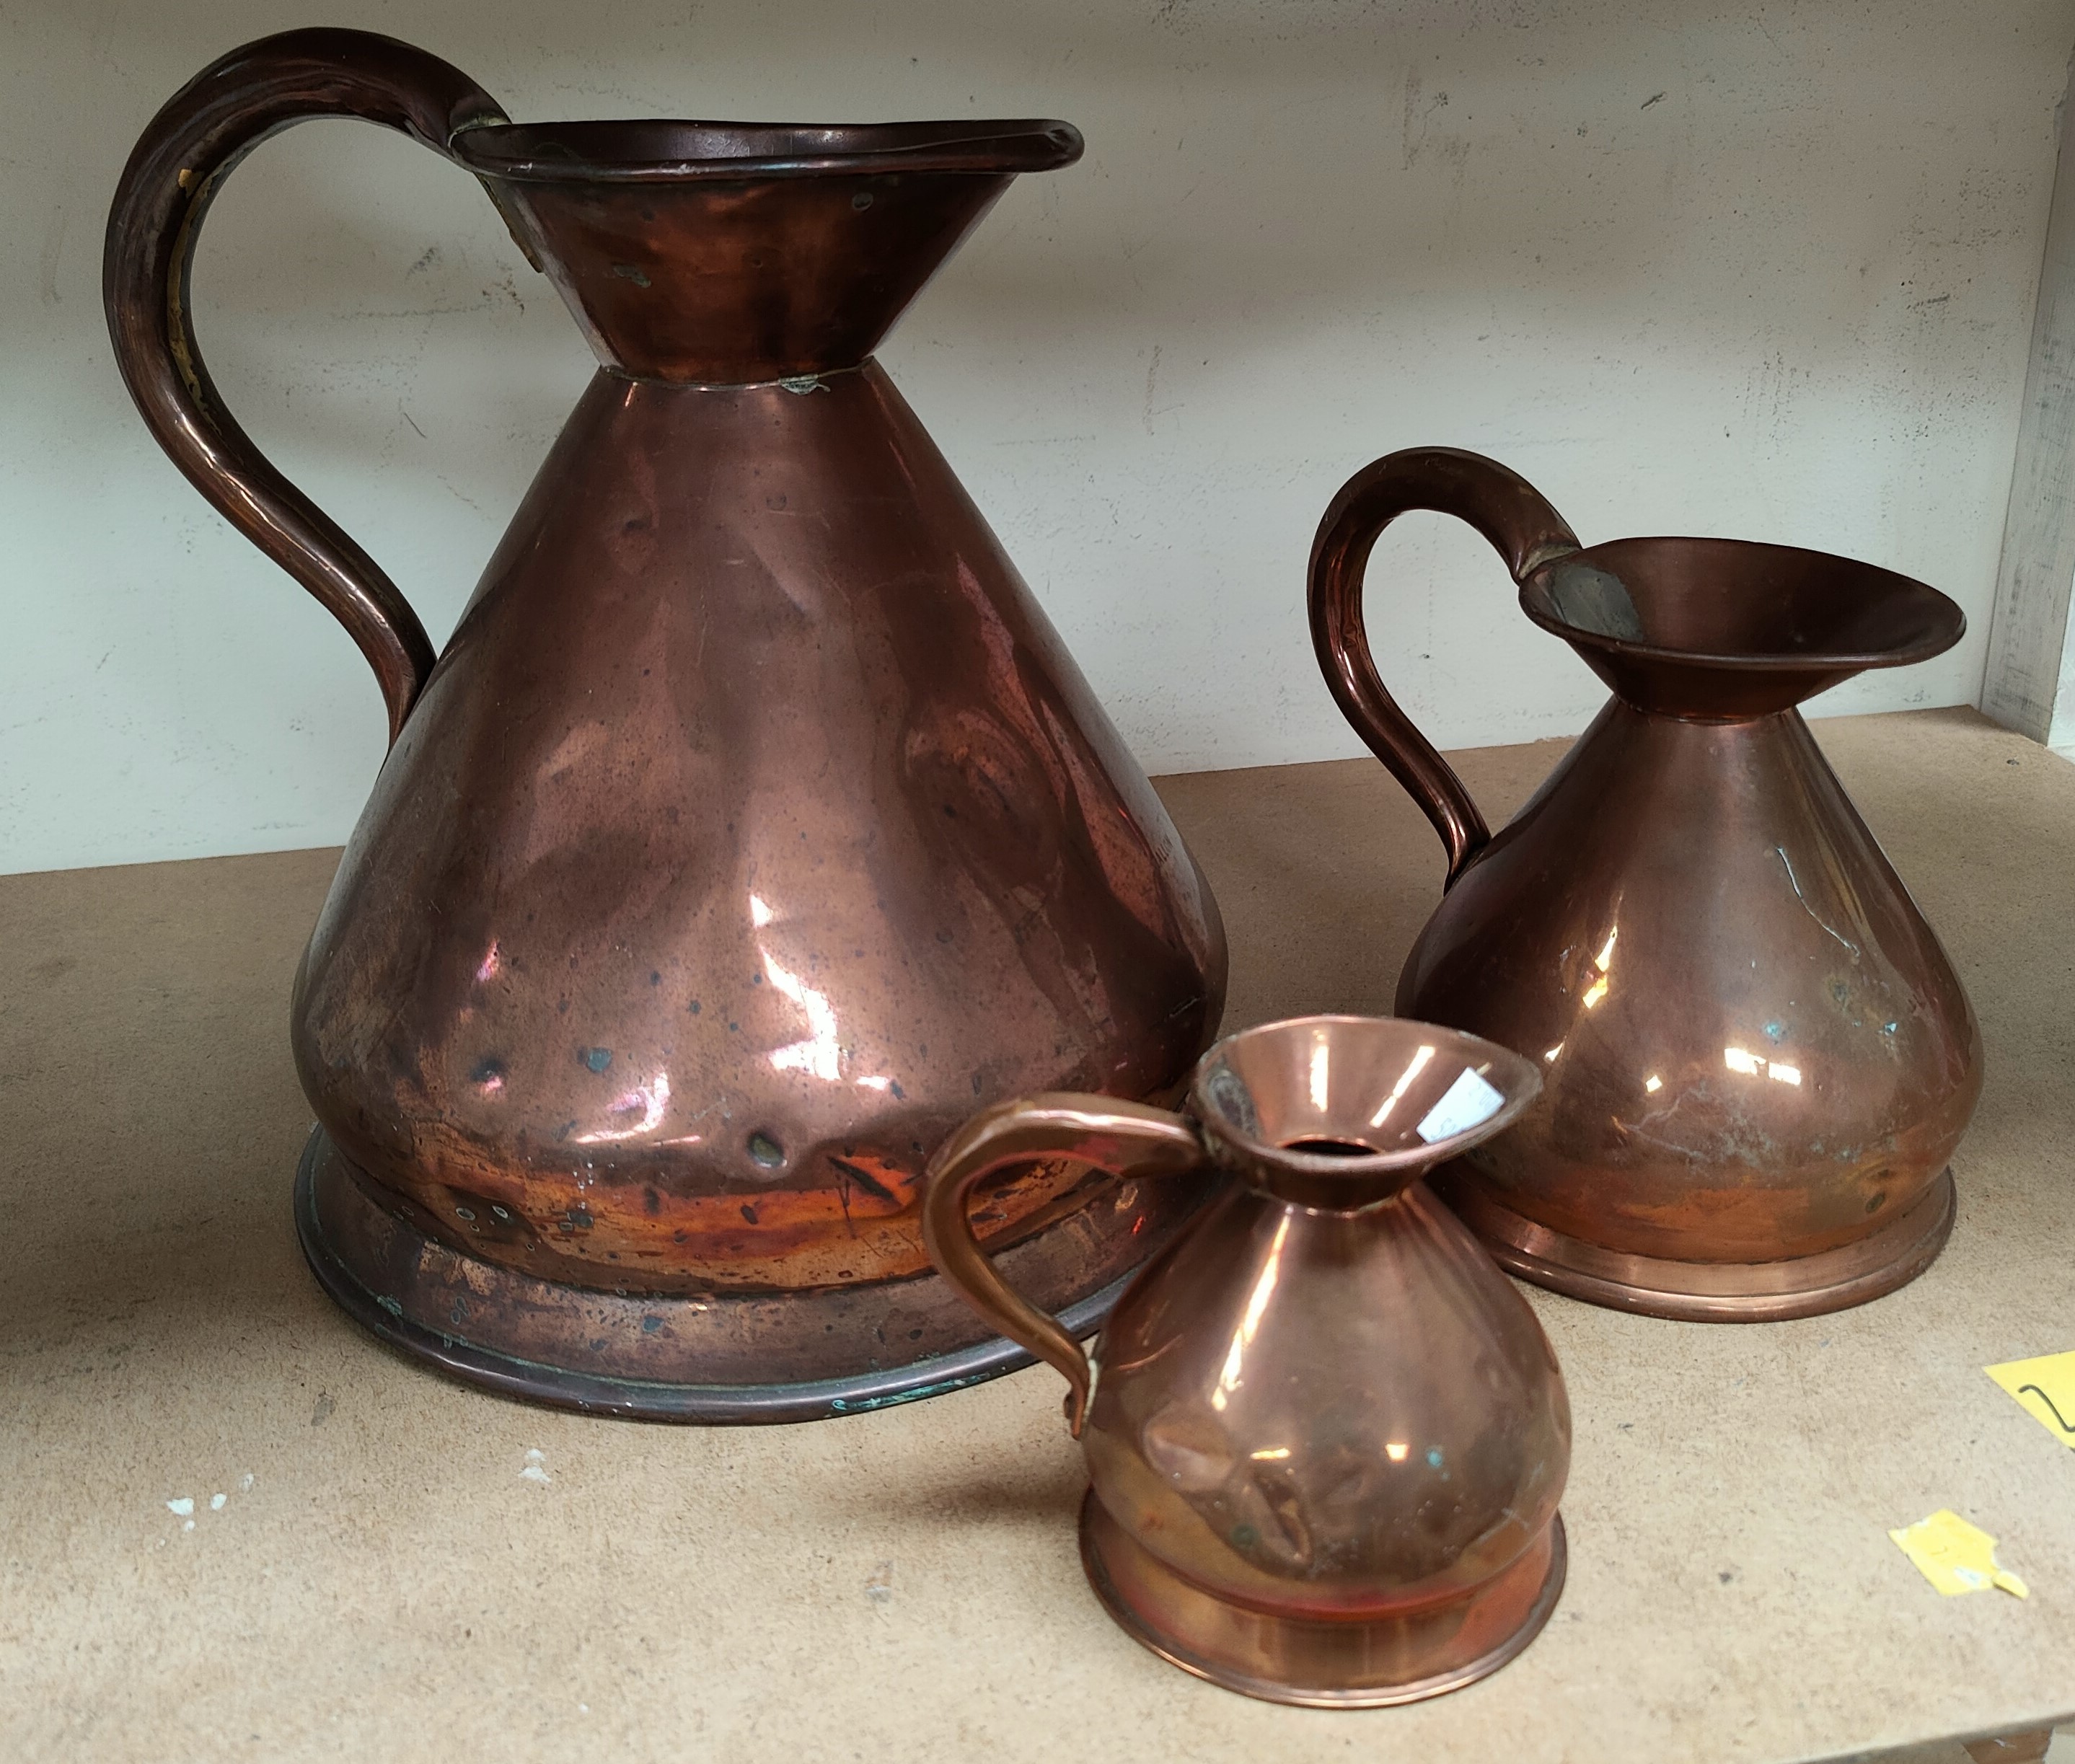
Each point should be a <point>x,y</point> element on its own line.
<point>2028,679</point>
<point>1760,270</point>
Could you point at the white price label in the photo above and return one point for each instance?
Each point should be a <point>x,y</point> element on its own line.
<point>1469,1100</point>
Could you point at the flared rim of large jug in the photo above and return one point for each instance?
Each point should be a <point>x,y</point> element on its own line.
<point>665,151</point>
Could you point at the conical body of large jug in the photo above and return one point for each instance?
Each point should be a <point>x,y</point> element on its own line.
<point>753,825</point>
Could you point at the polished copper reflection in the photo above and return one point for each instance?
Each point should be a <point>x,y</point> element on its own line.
<point>754,826</point>
<point>1325,1438</point>
<point>1756,1058</point>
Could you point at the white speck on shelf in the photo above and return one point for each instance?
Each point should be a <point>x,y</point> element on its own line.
<point>187,1525</point>
<point>583,1708</point>
<point>216,1502</point>
<point>244,1482</point>
<point>182,1506</point>
<point>879,1589</point>
<point>536,1466</point>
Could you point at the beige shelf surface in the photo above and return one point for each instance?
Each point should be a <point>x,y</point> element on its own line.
<point>380,1581</point>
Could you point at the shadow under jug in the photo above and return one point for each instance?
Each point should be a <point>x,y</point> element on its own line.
<point>1756,1058</point>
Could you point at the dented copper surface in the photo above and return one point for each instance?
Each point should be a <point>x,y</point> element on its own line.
<point>1325,1438</point>
<point>754,826</point>
<point>1757,1059</point>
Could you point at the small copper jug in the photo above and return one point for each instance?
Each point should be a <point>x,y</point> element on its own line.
<point>1756,1058</point>
<point>754,826</point>
<point>1325,1436</point>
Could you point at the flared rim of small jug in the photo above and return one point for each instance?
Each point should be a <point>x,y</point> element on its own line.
<point>1355,1109</point>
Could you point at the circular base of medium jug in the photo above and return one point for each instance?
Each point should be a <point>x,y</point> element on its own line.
<point>653,1357</point>
<point>1710,1291</point>
<point>1320,1664</point>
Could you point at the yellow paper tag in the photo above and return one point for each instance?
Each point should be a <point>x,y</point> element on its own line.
<point>2045,1387</point>
<point>1955,1556</point>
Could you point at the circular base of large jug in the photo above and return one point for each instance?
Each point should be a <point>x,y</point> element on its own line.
<point>1320,1664</point>
<point>1710,1291</point>
<point>821,1352</point>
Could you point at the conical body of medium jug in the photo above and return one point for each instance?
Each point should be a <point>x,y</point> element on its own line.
<point>754,826</point>
<point>1757,1059</point>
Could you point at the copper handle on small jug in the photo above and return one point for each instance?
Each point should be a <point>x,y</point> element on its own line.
<point>203,131</point>
<point>1126,1139</point>
<point>1522,528</point>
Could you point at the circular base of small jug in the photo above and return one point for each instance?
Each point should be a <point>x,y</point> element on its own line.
<point>1710,1291</point>
<point>1319,1665</point>
<point>579,1348</point>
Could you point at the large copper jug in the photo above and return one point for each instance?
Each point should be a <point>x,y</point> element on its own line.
<point>754,826</point>
<point>1326,1437</point>
<point>1756,1057</point>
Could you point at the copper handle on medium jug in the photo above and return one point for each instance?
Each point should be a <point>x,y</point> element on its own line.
<point>1126,1139</point>
<point>1522,528</point>
<point>203,131</point>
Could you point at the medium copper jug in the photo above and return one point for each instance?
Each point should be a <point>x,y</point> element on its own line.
<point>1756,1058</point>
<point>754,826</point>
<point>1325,1437</point>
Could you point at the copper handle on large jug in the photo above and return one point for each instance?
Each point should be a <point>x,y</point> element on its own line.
<point>1130,1140</point>
<point>1522,528</point>
<point>173,176</point>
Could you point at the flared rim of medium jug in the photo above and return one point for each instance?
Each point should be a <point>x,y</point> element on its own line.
<point>1739,603</point>
<point>1730,627</point>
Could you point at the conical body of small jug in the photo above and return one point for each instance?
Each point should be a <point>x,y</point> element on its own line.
<point>1757,1058</point>
<point>1327,1447</point>
<point>753,825</point>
